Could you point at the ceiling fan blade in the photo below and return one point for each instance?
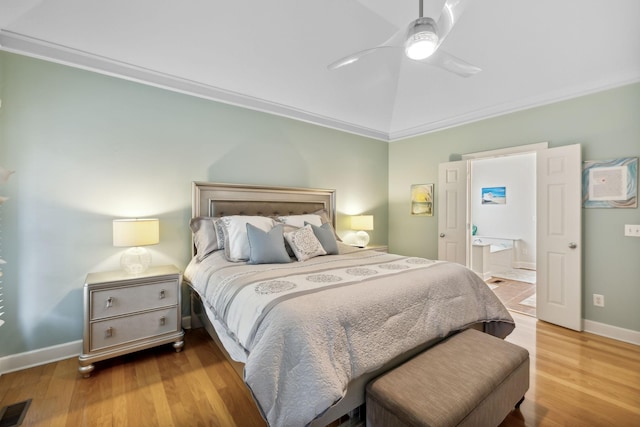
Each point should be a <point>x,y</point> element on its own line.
<point>395,41</point>
<point>453,64</point>
<point>350,59</point>
<point>449,16</point>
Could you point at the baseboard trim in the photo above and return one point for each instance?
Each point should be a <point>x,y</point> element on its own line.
<point>42,356</point>
<point>29,359</point>
<point>524,265</point>
<point>614,332</point>
<point>186,322</point>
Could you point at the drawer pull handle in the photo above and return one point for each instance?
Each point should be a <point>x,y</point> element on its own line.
<point>162,294</point>
<point>163,320</point>
<point>108,333</point>
<point>109,302</point>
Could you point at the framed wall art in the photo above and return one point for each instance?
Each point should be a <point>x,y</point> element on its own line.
<point>494,195</point>
<point>422,199</point>
<point>610,183</point>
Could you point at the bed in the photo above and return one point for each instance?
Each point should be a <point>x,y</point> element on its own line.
<point>307,329</point>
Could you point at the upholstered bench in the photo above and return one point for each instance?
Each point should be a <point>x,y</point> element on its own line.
<point>469,379</point>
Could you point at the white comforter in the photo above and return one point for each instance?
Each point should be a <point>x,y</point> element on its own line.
<point>310,327</point>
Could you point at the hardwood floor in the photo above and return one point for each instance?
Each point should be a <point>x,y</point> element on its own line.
<point>577,379</point>
<point>155,387</point>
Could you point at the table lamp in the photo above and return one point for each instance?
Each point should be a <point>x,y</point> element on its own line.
<point>135,233</point>
<point>362,223</point>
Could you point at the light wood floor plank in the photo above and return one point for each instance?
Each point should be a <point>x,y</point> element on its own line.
<point>577,379</point>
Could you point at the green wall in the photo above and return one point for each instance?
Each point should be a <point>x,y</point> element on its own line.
<point>88,148</point>
<point>606,124</point>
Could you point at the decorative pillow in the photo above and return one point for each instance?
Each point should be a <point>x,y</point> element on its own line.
<point>304,243</point>
<point>205,237</point>
<point>286,229</point>
<point>236,242</point>
<point>327,237</point>
<point>266,247</point>
<point>219,232</point>
<point>299,220</point>
<point>324,216</point>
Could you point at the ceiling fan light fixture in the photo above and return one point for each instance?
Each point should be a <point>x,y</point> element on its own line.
<point>422,39</point>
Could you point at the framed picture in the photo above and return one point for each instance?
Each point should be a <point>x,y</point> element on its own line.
<point>610,183</point>
<point>494,195</point>
<point>422,199</point>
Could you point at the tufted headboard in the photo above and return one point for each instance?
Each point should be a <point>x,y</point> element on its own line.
<point>215,199</point>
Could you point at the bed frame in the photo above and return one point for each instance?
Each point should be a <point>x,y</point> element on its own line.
<point>214,199</point>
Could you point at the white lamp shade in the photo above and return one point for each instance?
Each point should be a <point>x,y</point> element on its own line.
<point>362,222</point>
<point>136,232</point>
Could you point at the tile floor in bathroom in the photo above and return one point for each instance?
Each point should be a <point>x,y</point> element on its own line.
<point>515,295</point>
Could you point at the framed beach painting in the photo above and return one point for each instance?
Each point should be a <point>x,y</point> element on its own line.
<point>494,195</point>
<point>610,183</point>
<point>422,199</point>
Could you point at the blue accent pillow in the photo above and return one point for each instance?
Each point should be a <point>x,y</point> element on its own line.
<point>327,237</point>
<point>266,247</point>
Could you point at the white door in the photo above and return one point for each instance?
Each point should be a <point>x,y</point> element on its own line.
<point>559,245</point>
<point>452,212</point>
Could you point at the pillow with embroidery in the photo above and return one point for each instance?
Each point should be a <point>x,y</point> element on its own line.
<point>206,236</point>
<point>304,243</point>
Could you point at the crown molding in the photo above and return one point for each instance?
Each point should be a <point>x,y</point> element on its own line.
<point>564,94</point>
<point>41,49</point>
<point>29,46</point>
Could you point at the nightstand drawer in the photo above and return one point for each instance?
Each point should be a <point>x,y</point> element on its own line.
<point>112,332</point>
<point>117,301</point>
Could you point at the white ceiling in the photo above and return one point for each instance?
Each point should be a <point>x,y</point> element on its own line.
<point>272,55</point>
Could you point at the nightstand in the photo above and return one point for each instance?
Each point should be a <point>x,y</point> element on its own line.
<point>124,313</point>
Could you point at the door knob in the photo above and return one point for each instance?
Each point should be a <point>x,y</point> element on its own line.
<point>441,234</point>
<point>572,245</point>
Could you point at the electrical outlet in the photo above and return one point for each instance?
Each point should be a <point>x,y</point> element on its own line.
<point>632,230</point>
<point>598,300</point>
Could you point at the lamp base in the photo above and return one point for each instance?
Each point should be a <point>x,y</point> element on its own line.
<point>135,260</point>
<point>362,239</point>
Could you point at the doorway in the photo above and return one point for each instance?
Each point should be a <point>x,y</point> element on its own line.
<point>502,209</point>
<point>558,225</point>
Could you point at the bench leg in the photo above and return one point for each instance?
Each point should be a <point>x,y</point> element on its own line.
<point>519,402</point>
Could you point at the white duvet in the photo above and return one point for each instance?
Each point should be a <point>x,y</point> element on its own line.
<point>309,328</point>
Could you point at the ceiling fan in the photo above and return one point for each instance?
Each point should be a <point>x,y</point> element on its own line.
<point>421,41</point>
